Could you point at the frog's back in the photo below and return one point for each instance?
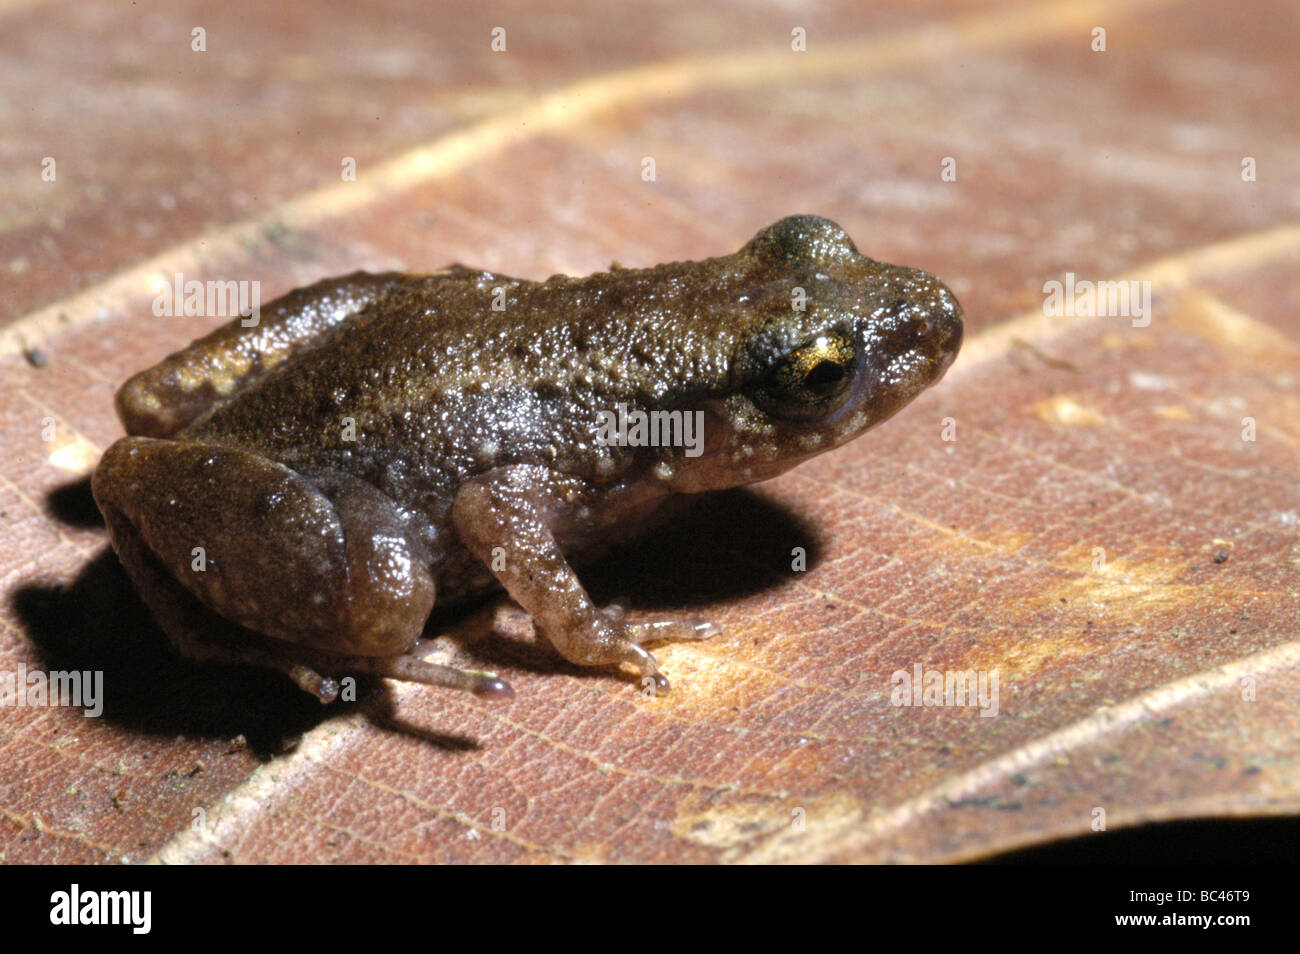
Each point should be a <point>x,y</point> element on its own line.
<point>385,392</point>
<point>443,378</point>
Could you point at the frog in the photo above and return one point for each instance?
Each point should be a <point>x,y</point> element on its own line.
<point>298,491</point>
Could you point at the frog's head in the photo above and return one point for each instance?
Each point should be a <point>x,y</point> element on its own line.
<point>833,344</point>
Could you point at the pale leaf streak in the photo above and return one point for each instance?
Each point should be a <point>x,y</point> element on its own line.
<point>853,695</point>
<point>1168,276</point>
<point>1231,473</point>
<point>876,650</point>
<point>13,7</point>
<point>861,609</point>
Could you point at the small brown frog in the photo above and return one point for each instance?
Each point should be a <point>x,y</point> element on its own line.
<point>377,440</point>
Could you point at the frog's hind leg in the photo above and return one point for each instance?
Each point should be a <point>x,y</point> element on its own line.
<point>326,567</point>
<point>409,668</point>
<point>161,400</point>
<point>201,635</point>
<point>195,631</point>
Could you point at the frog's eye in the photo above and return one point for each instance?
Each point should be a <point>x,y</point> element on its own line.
<point>809,380</point>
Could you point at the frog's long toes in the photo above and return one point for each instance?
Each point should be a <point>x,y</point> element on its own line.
<point>673,630</point>
<point>409,668</point>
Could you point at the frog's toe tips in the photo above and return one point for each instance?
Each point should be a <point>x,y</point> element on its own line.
<point>323,688</point>
<point>705,629</point>
<point>661,684</point>
<point>328,691</point>
<point>494,689</point>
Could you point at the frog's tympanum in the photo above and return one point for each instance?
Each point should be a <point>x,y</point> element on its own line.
<point>377,442</point>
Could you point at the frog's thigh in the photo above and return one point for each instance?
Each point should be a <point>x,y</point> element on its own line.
<point>197,632</point>
<point>263,547</point>
<point>161,400</point>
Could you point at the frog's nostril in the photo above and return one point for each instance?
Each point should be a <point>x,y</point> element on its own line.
<point>951,328</point>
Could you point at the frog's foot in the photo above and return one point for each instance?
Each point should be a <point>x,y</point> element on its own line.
<point>620,640</point>
<point>200,634</point>
<point>609,639</point>
<point>506,510</point>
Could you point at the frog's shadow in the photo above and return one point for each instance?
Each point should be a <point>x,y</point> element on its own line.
<point>718,547</point>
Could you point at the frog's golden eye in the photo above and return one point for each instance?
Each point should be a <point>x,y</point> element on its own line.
<point>809,380</point>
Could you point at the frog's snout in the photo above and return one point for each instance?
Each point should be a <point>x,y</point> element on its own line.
<point>936,327</point>
<point>945,326</point>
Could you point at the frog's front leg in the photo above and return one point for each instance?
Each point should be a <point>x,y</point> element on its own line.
<point>512,508</point>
